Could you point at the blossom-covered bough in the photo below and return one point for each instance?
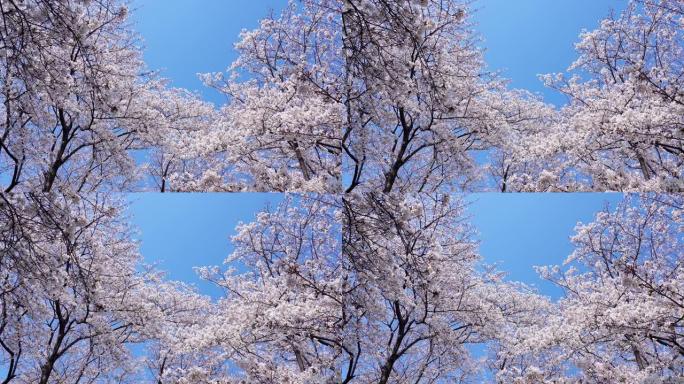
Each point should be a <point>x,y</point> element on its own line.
<point>280,129</point>
<point>420,105</point>
<point>629,116</point>
<point>623,127</point>
<point>73,298</point>
<point>430,304</point>
<point>621,318</point>
<point>76,100</point>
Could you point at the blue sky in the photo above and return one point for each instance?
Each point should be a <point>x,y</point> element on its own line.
<point>523,38</point>
<point>522,230</point>
<point>185,37</point>
<point>517,231</point>
<point>180,231</point>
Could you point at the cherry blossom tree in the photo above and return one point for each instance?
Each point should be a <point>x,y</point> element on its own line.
<point>286,315</point>
<point>433,300</point>
<point>175,314</point>
<point>421,106</point>
<point>73,299</point>
<point>280,128</point>
<point>622,128</point>
<point>373,289</point>
<point>620,319</point>
<point>75,97</point>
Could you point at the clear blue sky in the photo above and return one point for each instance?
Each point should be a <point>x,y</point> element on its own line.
<point>523,38</point>
<point>520,231</point>
<point>181,231</point>
<point>517,231</point>
<point>185,37</point>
